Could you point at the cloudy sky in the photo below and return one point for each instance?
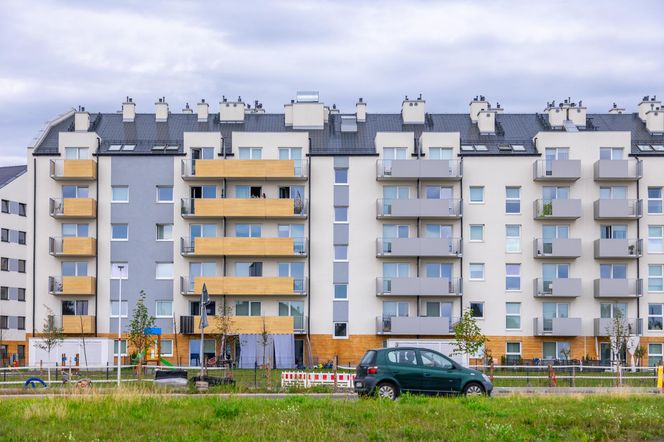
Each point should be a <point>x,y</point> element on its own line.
<point>55,55</point>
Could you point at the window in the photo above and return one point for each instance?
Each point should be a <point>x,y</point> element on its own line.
<point>4,235</point>
<point>248,230</point>
<point>395,153</point>
<point>513,315</point>
<point>656,317</point>
<point>4,293</point>
<point>124,308</point>
<point>476,194</point>
<point>164,309</point>
<point>439,192</point>
<point>655,354</point>
<point>4,264</point>
<point>195,308</point>
<point>21,323</point>
<point>119,194</point>
<point>166,347</point>
<point>613,192</point>
<point>76,153</point>
<point>340,330</point>
<point>438,309</point>
<point>476,271</point>
<point>340,176</point>
<point>395,308</point>
<point>341,214</point>
<point>164,232</point>
<point>340,291</point>
<point>440,153</point>
<point>251,153</point>
<point>4,322</point>
<point>164,194</point>
<point>74,191</point>
<point>119,270</point>
<point>5,206</point>
<point>247,308</point>
<point>655,281</point>
<point>477,309</point>
<point>74,268</point>
<point>341,253</point>
<point>21,209</point>
<point>119,232</point>
<point>21,265</point>
<point>610,153</point>
<point>613,271</point>
<point>434,360</point>
<point>75,230</point>
<point>123,347</point>
<point>512,200</point>
<point>477,232</point>
<point>248,269</point>
<point>655,239</point>
<point>654,200</point>
<point>613,231</point>
<point>555,350</point>
<point>512,352</point>
<point>164,270</point>
<point>513,238</point>
<point>21,294</point>
<point>79,308</point>
<point>21,237</point>
<point>550,193</point>
<point>512,277</point>
<point>612,310</point>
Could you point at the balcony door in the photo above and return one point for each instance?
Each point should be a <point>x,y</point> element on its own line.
<point>74,268</point>
<point>251,153</point>
<point>393,270</point>
<point>202,231</point>
<point>200,153</point>
<point>612,310</point>
<point>392,231</point>
<point>551,232</point>
<point>292,153</point>
<point>550,193</point>
<point>611,153</point>
<point>613,192</point>
<point>551,272</point>
<point>439,192</point>
<point>75,192</point>
<point>438,309</point>
<point>78,308</point>
<point>294,309</point>
<point>77,153</point>
<point>293,270</point>
<point>613,231</point>
<point>438,270</point>
<point>613,271</point>
<point>250,269</point>
<point>248,230</point>
<point>551,154</point>
<point>551,310</point>
<point>196,192</point>
<point>440,153</point>
<point>198,269</point>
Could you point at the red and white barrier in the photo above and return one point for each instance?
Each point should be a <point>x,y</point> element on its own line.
<point>310,379</point>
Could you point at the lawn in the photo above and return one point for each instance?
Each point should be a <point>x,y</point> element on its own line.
<point>144,417</point>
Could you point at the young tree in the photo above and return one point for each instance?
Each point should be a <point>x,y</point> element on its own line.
<point>468,335</point>
<point>618,331</point>
<point>223,329</point>
<point>51,337</point>
<point>140,320</point>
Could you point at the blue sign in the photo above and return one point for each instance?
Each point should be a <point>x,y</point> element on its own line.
<point>153,331</point>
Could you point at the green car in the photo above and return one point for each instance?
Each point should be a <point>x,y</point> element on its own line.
<point>389,372</point>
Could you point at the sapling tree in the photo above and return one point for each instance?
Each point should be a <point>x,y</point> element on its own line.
<point>468,336</point>
<point>51,337</point>
<point>138,338</point>
<point>224,326</point>
<point>618,331</point>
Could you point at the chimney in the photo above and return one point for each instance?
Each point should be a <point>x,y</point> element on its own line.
<point>307,112</point>
<point>128,111</point>
<point>187,109</point>
<point>361,110</point>
<point>161,110</point>
<point>577,114</point>
<point>616,110</point>
<point>231,111</point>
<point>486,122</point>
<point>556,114</point>
<point>477,105</point>
<point>288,114</point>
<point>81,120</point>
<point>655,121</point>
<point>202,109</point>
<point>647,104</point>
<point>413,111</point>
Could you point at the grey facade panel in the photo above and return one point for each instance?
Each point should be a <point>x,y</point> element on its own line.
<point>341,196</point>
<point>142,214</point>
<point>341,162</point>
<point>340,234</point>
<point>559,327</point>
<point>340,311</point>
<point>420,325</point>
<point>340,273</point>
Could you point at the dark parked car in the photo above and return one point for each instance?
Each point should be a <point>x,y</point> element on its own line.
<point>389,372</point>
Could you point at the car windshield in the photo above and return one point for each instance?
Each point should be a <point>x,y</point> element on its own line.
<point>368,358</point>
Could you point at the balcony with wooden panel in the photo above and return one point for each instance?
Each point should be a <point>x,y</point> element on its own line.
<point>73,208</point>
<point>244,169</point>
<point>74,324</point>
<point>73,170</point>
<point>240,325</point>
<point>72,247</point>
<point>281,208</point>
<point>72,285</point>
<point>245,285</point>
<point>234,246</point>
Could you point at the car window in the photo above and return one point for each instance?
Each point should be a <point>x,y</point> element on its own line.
<point>368,358</point>
<point>402,357</point>
<point>434,360</point>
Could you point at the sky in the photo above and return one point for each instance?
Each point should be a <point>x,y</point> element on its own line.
<point>55,55</point>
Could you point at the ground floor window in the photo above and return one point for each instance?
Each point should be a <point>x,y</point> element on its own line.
<point>123,347</point>
<point>655,354</point>
<point>512,353</point>
<point>555,350</point>
<point>166,348</point>
<point>340,329</point>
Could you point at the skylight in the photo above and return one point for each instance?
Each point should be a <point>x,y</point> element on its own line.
<point>467,147</point>
<point>172,147</point>
<point>480,147</point>
<point>658,147</point>
<point>115,147</point>
<point>158,147</point>
<point>504,147</point>
<point>128,147</point>
<point>644,147</point>
<point>518,148</point>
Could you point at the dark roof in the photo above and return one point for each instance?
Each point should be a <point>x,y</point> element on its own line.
<point>511,129</point>
<point>10,173</point>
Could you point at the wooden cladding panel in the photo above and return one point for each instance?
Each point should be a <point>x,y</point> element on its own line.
<point>78,246</point>
<point>245,168</point>
<point>83,169</point>
<point>209,246</point>
<point>238,285</point>
<point>78,285</point>
<point>244,207</point>
<point>78,324</point>
<point>80,208</point>
<point>244,246</point>
<point>249,324</point>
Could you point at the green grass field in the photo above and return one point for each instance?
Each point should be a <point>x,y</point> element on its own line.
<point>142,417</point>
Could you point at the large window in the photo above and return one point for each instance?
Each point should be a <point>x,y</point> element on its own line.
<point>74,230</point>
<point>248,308</point>
<point>74,268</point>
<point>512,277</point>
<point>513,238</point>
<point>248,230</point>
<point>513,352</point>
<point>76,153</point>
<point>655,354</point>
<point>613,271</point>
<point>654,200</point>
<point>655,280</point>
<point>555,350</point>
<point>513,315</point>
<point>655,239</point>
<point>248,269</point>
<point>78,307</point>
<point>440,153</point>
<point>75,191</point>
<point>656,317</point>
<point>513,200</point>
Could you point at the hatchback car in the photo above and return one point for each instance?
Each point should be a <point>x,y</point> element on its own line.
<point>388,372</point>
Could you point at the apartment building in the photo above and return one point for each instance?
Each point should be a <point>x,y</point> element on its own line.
<point>319,233</point>
<point>13,258</point>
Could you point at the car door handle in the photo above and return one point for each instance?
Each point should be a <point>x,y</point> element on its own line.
<point>427,375</point>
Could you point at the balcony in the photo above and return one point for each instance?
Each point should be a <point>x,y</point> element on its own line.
<point>419,169</point>
<point>72,285</point>
<point>618,209</point>
<point>618,288</point>
<point>72,247</point>
<point>245,324</point>
<point>418,287</point>
<point>557,327</point>
<point>558,287</point>
<point>245,285</point>
<point>618,248</point>
<point>423,247</point>
<point>244,169</point>
<point>73,170</point>
<point>72,208</point>
<point>243,208</point>
<point>607,326</point>
<point>418,208</point>
<point>413,325</point>
<point>557,248</point>
<point>557,209</point>
<point>234,246</point>
<point>618,170</point>
<point>556,170</point>
<point>74,324</point>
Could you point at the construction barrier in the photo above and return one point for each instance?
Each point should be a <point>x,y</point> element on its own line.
<point>310,379</point>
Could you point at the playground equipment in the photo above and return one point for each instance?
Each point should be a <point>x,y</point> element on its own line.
<point>31,382</point>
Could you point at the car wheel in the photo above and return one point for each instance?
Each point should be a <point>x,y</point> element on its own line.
<point>473,389</point>
<point>387,390</point>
